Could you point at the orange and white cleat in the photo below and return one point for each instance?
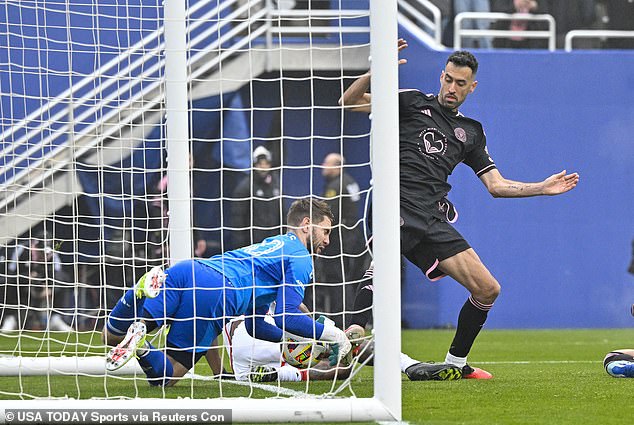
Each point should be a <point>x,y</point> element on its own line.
<point>118,356</point>
<point>469,372</point>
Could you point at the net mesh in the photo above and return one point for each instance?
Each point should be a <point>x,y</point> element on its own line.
<point>85,201</point>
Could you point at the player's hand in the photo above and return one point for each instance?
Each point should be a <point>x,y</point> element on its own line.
<point>560,183</point>
<point>340,344</point>
<point>334,358</point>
<point>402,44</point>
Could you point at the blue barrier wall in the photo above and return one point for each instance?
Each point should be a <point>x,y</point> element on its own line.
<point>561,261</point>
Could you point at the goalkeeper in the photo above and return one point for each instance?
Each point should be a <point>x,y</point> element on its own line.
<point>201,294</point>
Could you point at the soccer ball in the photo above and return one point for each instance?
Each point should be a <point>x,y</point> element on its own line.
<point>302,354</point>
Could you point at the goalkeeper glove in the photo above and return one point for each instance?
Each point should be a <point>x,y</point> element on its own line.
<point>340,344</point>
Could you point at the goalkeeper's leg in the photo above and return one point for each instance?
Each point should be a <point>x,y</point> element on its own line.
<point>130,307</point>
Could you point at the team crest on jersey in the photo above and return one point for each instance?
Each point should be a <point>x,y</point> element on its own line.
<point>460,134</point>
<point>433,142</point>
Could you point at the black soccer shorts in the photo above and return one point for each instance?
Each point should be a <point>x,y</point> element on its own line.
<point>427,240</point>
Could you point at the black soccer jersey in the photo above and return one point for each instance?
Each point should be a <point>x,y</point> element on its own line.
<point>433,140</point>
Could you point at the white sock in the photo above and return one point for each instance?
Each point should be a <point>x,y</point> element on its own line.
<point>407,361</point>
<point>288,373</point>
<point>457,361</point>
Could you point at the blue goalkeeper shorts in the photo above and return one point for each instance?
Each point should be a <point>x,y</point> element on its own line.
<point>194,304</point>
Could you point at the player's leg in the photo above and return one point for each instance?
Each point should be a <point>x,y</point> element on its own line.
<point>156,310</point>
<point>438,249</point>
<point>466,268</point>
<point>129,308</point>
<point>414,369</point>
<point>620,363</point>
<point>192,302</point>
<point>362,310</point>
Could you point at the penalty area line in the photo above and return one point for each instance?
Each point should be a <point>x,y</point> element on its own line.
<point>542,362</point>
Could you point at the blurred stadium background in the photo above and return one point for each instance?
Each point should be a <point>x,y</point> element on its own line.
<point>83,130</point>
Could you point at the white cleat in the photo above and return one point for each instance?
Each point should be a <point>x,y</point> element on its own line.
<point>151,283</point>
<point>118,356</point>
<point>56,323</point>
<point>9,324</point>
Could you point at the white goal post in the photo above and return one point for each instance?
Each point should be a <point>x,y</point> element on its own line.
<point>385,404</point>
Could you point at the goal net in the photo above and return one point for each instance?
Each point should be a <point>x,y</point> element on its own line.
<point>141,133</point>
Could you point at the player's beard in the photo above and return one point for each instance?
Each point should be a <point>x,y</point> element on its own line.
<point>314,249</point>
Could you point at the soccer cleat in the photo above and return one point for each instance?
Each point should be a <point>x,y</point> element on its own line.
<point>9,324</point>
<point>150,283</point>
<point>469,372</point>
<point>263,374</point>
<point>433,372</point>
<point>620,369</point>
<point>56,323</point>
<point>118,356</point>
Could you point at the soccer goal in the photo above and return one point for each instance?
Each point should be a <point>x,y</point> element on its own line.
<point>128,134</point>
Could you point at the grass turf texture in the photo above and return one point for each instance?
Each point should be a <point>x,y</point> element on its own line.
<point>541,377</point>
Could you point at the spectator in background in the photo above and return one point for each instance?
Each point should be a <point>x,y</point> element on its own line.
<point>519,41</point>
<point>342,260</point>
<point>481,24</point>
<point>201,246</point>
<point>581,16</point>
<point>620,18</point>
<point>38,287</point>
<point>257,210</point>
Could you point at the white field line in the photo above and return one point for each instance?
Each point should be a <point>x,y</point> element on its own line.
<point>265,387</point>
<point>541,362</point>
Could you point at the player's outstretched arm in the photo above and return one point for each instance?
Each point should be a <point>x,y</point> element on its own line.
<point>556,184</point>
<point>356,97</point>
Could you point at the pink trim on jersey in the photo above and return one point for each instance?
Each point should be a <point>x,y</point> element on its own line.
<point>431,269</point>
<point>455,218</point>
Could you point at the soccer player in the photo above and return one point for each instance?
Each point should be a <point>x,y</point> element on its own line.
<point>434,138</point>
<point>620,363</point>
<point>262,361</point>
<point>199,295</point>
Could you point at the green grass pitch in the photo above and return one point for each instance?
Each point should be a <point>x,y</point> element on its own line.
<point>541,377</point>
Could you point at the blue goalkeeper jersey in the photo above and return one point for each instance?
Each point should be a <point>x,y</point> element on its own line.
<point>258,271</point>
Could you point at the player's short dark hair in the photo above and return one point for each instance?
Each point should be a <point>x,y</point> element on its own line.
<point>463,58</point>
<point>308,207</point>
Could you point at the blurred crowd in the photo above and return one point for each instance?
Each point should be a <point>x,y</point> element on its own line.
<point>568,15</point>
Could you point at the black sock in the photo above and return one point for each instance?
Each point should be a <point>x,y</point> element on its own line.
<point>470,321</point>
<point>362,310</point>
